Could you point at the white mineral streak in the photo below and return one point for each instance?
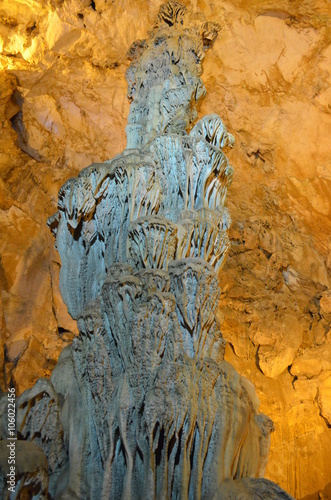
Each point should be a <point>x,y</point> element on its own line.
<point>142,405</point>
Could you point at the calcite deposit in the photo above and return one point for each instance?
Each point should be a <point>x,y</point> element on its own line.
<point>63,107</point>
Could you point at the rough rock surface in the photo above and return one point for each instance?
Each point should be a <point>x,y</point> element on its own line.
<point>248,489</point>
<point>63,107</point>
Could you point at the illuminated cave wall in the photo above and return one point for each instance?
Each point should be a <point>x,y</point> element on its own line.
<point>63,107</point>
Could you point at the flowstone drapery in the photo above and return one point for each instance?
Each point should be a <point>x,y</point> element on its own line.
<point>142,404</point>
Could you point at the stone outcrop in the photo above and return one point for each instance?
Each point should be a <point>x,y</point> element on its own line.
<point>143,404</point>
<point>246,489</point>
<point>63,107</point>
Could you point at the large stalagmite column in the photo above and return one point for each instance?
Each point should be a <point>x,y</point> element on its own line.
<point>142,405</point>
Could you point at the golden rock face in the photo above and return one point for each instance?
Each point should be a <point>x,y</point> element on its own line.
<point>63,106</point>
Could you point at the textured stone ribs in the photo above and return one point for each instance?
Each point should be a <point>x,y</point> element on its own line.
<point>142,404</point>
